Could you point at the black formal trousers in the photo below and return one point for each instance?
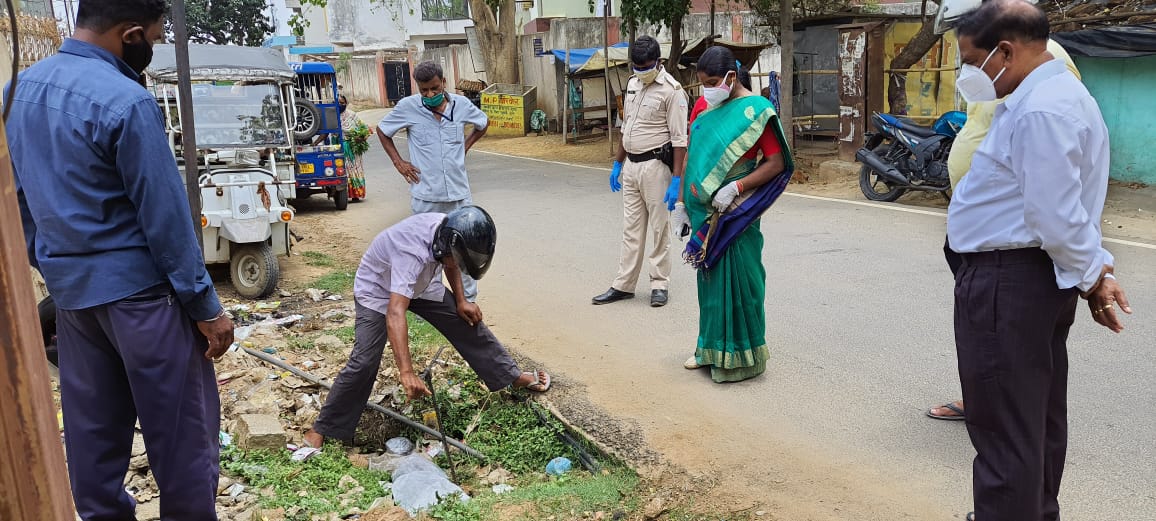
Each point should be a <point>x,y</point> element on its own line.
<point>1011,331</point>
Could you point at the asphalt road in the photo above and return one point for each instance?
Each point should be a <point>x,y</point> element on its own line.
<point>859,325</point>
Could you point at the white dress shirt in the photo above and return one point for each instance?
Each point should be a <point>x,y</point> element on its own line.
<point>1039,179</point>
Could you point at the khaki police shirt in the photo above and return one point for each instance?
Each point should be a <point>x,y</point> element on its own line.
<point>654,115</point>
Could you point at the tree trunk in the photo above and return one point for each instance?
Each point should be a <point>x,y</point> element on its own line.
<point>914,51</point>
<point>676,51</point>
<point>787,74</point>
<point>498,40</point>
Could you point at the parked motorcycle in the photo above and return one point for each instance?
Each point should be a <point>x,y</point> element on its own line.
<point>900,156</point>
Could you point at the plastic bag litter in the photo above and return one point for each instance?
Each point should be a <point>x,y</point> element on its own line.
<point>399,446</point>
<point>420,490</point>
<point>558,466</point>
<point>418,484</point>
<point>414,463</point>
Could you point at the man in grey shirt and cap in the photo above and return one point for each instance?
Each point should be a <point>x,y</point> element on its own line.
<point>402,271</point>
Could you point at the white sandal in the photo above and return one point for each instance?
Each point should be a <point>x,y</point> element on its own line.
<point>692,363</point>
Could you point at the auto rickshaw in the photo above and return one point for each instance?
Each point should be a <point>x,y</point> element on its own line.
<point>243,116</point>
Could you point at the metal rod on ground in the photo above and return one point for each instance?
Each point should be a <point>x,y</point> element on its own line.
<point>188,130</point>
<point>270,359</point>
<point>427,375</point>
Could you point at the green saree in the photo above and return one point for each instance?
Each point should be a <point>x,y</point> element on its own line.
<point>731,294</point>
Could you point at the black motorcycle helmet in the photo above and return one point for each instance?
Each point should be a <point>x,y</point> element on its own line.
<point>468,234</point>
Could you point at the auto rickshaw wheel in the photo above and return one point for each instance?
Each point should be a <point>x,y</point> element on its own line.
<point>308,120</point>
<point>341,199</point>
<point>254,270</point>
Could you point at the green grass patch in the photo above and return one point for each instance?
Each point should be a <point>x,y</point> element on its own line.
<point>314,485</point>
<point>346,334</point>
<point>336,282</point>
<point>318,259</point>
<point>424,337</point>
<point>561,497</point>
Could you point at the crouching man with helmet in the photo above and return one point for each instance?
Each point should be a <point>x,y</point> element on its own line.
<point>402,271</point>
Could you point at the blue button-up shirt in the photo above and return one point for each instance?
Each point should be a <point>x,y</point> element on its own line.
<point>104,207</point>
<point>1039,179</point>
<point>436,148</point>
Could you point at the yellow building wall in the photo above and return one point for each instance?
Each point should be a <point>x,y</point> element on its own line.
<point>929,94</point>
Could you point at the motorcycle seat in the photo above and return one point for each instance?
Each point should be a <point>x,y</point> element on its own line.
<point>914,129</point>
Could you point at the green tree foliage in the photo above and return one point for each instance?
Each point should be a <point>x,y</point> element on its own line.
<point>227,22</point>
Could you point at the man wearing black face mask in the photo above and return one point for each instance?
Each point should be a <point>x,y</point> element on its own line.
<point>108,224</point>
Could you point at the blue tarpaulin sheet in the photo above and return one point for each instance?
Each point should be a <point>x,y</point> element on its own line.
<point>579,57</point>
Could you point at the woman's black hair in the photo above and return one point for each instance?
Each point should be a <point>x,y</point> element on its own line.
<point>718,61</point>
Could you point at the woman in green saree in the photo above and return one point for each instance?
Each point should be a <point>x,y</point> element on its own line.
<point>737,165</point>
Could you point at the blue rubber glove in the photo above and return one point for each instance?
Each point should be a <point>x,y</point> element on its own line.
<point>615,174</point>
<point>672,192</point>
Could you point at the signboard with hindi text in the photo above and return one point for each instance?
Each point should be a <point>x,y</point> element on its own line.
<point>509,107</point>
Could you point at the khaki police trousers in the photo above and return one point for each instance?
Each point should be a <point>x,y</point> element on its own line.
<point>646,219</point>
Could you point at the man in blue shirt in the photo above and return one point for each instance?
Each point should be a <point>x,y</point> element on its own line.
<point>108,224</point>
<point>435,122</point>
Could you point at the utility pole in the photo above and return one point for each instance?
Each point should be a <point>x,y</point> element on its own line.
<point>32,472</point>
<point>188,129</point>
<point>787,74</point>
<point>710,38</point>
<point>611,102</point>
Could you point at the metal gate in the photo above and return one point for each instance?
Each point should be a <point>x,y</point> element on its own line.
<point>397,84</point>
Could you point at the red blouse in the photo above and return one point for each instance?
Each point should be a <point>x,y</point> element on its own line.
<point>768,143</point>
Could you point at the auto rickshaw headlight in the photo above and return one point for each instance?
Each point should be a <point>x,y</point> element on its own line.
<point>286,216</point>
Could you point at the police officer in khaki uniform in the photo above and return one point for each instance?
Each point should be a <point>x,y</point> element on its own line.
<point>654,139</point>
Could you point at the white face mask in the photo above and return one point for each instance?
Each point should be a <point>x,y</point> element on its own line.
<point>715,96</point>
<point>975,85</point>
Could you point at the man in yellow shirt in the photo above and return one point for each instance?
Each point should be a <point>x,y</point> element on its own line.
<point>979,116</point>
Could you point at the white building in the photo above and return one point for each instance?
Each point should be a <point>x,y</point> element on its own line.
<point>416,25</point>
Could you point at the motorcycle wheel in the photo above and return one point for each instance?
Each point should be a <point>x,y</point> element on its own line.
<point>874,187</point>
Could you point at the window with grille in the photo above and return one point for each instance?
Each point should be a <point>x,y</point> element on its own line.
<point>438,10</point>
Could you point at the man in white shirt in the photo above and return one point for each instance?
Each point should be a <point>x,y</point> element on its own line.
<point>1026,220</point>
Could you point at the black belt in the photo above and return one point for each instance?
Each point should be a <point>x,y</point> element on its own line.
<point>1007,257</point>
<point>651,155</point>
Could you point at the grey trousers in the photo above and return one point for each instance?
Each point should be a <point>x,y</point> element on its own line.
<point>477,345</point>
<point>422,206</point>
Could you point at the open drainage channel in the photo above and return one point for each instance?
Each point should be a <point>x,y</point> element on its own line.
<point>584,457</point>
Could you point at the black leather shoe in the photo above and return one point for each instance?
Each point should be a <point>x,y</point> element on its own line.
<point>612,295</point>
<point>658,298</point>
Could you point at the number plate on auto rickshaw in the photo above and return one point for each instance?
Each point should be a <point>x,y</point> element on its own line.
<point>306,168</point>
